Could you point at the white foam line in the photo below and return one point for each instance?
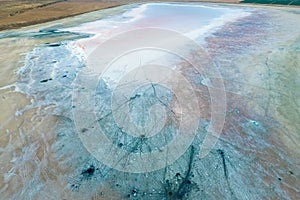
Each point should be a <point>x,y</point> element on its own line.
<point>7,87</point>
<point>133,14</point>
<point>216,23</point>
<point>136,13</point>
<point>183,4</point>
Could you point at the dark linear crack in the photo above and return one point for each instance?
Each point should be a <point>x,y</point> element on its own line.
<point>174,192</point>
<point>222,154</point>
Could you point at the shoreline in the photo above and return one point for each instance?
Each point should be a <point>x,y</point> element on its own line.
<point>55,10</point>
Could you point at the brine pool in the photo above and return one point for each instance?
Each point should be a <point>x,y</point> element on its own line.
<point>217,76</point>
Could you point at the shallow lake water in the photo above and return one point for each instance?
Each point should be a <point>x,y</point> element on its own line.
<point>91,105</point>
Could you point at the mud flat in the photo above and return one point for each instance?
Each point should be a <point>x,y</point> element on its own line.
<point>256,50</point>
